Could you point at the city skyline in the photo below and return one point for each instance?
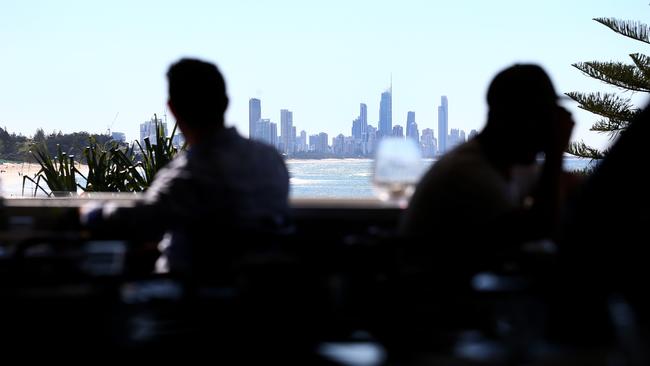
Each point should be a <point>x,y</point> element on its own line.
<point>73,65</point>
<point>363,138</point>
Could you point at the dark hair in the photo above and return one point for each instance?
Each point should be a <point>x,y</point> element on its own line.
<point>521,87</point>
<point>198,92</point>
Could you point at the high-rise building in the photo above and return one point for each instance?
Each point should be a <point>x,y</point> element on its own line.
<point>443,120</point>
<point>370,141</point>
<point>254,115</point>
<point>148,129</point>
<point>303,141</point>
<point>410,117</point>
<point>398,131</point>
<point>322,145</point>
<point>360,124</point>
<point>453,139</point>
<point>338,144</point>
<point>262,131</point>
<point>287,136</point>
<point>313,142</point>
<point>428,143</point>
<point>356,129</point>
<point>412,127</point>
<point>363,116</point>
<point>462,137</point>
<point>274,134</point>
<point>386,113</point>
<point>472,134</point>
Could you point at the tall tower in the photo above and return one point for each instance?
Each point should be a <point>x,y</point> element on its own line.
<point>363,116</point>
<point>360,124</point>
<point>443,119</point>
<point>386,113</point>
<point>254,115</point>
<point>287,137</point>
<point>412,127</point>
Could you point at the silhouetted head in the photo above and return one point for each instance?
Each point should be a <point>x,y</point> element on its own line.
<point>197,94</point>
<point>522,108</point>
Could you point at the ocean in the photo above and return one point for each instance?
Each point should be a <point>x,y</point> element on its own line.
<point>326,178</point>
<point>352,178</point>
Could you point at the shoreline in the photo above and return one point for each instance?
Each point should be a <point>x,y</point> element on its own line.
<point>12,173</point>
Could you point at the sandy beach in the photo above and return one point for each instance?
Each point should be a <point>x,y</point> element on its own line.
<point>11,178</point>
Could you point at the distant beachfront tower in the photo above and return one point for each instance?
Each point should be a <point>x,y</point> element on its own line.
<point>254,115</point>
<point>363,117</point>
<point>453,139</point>
<point>412,127</point>
<point>360,124</point>
<point>287,134</point>
<point>148,129</point>
<point>322,146</point>
<point>263,130</point>
<point>274,135</point>
<point>443,125</point>
<point>398,131</point>
<point>428,143</point>
<point>303,141</point>
<point>386,113</point>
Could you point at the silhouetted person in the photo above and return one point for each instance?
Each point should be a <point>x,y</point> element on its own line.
<point>606,229</point>
<point>487,194</point>
<point>224,186</point>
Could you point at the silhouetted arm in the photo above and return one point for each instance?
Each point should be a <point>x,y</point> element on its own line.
<point>166,204</point>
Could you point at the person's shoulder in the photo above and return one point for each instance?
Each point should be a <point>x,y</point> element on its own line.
<point>463,167</point>
<point>464,157</point>
<point>175,166</point>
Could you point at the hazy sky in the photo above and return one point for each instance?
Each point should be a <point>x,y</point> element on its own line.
<point>74,65</point>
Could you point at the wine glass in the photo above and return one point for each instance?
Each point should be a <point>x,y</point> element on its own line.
<point>397,169</point>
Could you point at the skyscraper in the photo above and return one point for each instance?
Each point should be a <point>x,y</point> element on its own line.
<point>360,124</point>
<point>386,113</point>
<point>303,140</point>
<point>322,145</point>
<point>370,141</point>
<point>410,117</point>
<point>338,144</point>
<point>363,117</point>
<point>398,131</point>
<point>254,115</point>
<point>287,137</point>
<point>356,129</point>
<point>428,143</point>
<point>472,134</point>
<point>274,134</point>
<point>412,127</point>
<point>148,129</point>
<point>443,119</point>
<point>453,139</point>
<point>263,130</point>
